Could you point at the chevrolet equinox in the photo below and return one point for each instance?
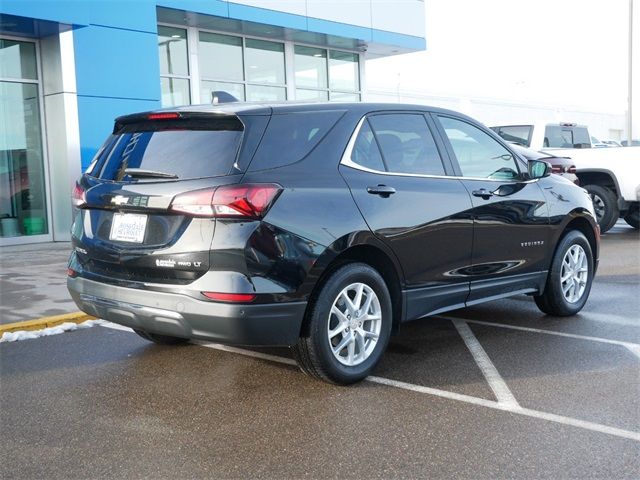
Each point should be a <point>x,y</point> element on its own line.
<point>322,227</point>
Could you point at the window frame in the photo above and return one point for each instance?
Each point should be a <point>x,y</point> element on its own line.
<point>327,60</point>
<point>444,154</point>
<point>290,87</point>
<point>38,82</point>
<point>173,76</point>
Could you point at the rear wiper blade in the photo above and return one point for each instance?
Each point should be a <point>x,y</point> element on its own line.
<point>142,173</point>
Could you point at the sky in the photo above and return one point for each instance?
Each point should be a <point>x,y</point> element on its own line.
<point>559,52</point>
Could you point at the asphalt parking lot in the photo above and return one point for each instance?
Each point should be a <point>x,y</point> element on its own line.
<point>497,390</point>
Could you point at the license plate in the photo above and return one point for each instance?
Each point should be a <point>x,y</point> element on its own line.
<point>128,227</point>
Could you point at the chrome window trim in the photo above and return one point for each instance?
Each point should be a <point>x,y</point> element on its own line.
<point>347,162</point>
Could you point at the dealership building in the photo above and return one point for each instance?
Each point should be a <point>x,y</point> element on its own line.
<point>69,67</point>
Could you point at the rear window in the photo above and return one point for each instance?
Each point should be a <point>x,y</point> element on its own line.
<point>560,136</point>
<point>291,136</point>
<point>181,149</point>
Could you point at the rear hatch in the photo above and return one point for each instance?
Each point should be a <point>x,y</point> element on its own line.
<point>145,201</point>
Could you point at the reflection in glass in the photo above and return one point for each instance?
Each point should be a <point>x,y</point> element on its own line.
<point>172,48</point>
<point>345,97</point>
<point>311,95</point>
<point>343,71</point>
<point>18,59</point>
<point>175,91</point>
<point>220,57</point>
<point>310,67</point>
<point>265,61</point>
<point>259,93</point>
<point>23,208</point>
<point>206,87</point>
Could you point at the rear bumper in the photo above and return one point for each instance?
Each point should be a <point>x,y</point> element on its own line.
<point>178,315</point>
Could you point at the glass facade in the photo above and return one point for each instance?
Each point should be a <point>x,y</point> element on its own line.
<point>251,69</point>
<point>23,199</point>
<point>174,66</point>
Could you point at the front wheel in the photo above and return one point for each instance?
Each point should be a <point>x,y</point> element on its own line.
<point>347,326</point>
<point>570,277</point>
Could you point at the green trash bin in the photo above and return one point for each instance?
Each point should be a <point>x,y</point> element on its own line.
<point>33,226</point>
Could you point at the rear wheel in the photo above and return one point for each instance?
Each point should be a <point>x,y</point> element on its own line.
<point>347,326</point>
<point>161,339</point>
<point>569,281</point>
<point>633,217</point>
<point>605,205</point>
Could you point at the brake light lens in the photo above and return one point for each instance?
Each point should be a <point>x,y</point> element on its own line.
<point>571,169</point>
<point>230,297</point>
<point>71,272</point>
<point>251,201</point>
<point>163,116</point>
<point>78,196</point>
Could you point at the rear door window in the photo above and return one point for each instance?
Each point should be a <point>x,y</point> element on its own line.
<point>180,149</point>
<point>406,144</point>
<point>365,150</point>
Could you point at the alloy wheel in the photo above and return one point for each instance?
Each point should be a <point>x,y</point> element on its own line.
<point>354,324</point>
<point>574,274</point>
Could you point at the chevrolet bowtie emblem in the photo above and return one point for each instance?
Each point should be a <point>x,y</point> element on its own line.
<point>119,200</point>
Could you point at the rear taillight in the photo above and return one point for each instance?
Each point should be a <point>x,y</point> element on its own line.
<point>78,197</point>
<point>563,169</point>
<point>230,297</point>
<point>71,272</point>
<point>228,201</point>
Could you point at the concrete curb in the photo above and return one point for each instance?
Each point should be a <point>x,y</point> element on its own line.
<point>45,322</point>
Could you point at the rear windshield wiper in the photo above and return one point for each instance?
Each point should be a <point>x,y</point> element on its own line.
<point>142,173</point>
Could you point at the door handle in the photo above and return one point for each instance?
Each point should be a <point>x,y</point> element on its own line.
<point>381,190</point>
<point>483,192</point>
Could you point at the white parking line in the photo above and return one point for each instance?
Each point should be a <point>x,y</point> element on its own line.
<point>490,372</point>
<point>505,407</point>
<point>628,345</point>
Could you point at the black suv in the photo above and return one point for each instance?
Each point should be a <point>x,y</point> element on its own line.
<point>319,226</point>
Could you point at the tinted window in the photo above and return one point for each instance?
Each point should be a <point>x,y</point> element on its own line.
<point>291,137</point>
<point>556,136</point>
<point>181,148</point>
<point>477,153</point>
<point>406,144</point>
<point>365,151</point>
<point>520,134</point>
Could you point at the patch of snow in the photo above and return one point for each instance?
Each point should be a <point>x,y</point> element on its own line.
<point>45,332</point>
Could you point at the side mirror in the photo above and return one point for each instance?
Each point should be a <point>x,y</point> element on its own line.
<point>538,169</point>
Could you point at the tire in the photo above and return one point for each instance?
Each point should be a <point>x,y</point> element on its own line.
<point>633,217</point>
<point>319,353</point>
<point>161,339</point>
<point>605,204</point>
<point>557,298</point>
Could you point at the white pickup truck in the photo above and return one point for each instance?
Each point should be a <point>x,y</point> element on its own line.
<point>610,175</point>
